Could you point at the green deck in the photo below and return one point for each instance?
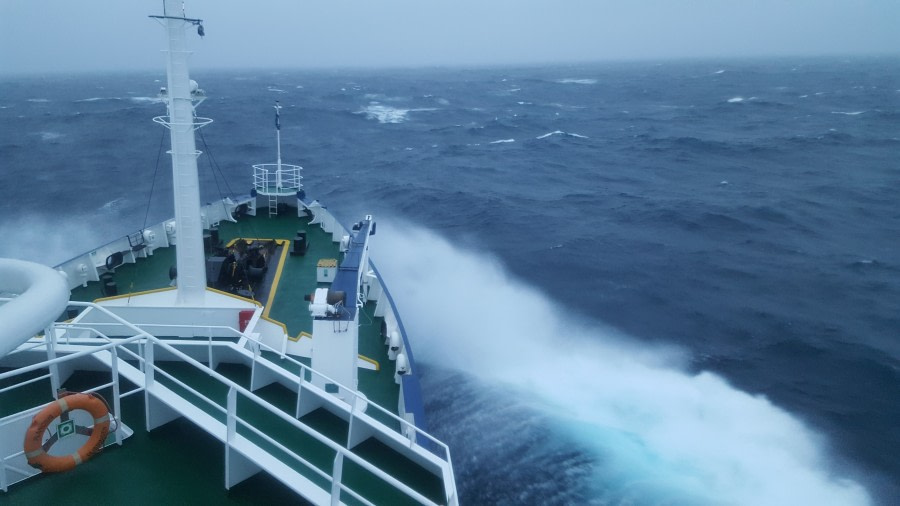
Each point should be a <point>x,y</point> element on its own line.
<point>198,451</point>
<point>298,278</point>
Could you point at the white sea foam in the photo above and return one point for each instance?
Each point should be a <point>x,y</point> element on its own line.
<point>634,407</point>
<point>852,113</point>
<point>38,100</point>
<point>275,90</point>
<point>388,114</point>
<point>570,80</point>
<point>97,99</point>
<point>560,132</point>
<point>50,136</point>
<point>112,205</point>
<point>502,141</point>
<point>719,71</point>
<point>146,100</point>
<point>735,100</point>
<point>38,238</point>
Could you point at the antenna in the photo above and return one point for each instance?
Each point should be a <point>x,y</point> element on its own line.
<point>278,132</point>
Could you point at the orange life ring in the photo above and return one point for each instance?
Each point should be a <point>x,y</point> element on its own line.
<point>34,448</point>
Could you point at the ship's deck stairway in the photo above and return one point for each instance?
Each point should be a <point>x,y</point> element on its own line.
<point>269,419</point>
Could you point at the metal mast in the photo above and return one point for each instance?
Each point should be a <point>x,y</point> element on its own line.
<point>181,121</point>
<point>278,141</point>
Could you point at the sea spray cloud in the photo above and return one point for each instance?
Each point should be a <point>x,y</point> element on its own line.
<point>688,435</point>
<point>50,240</point>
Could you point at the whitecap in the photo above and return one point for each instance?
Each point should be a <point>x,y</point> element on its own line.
<point>38,100</point>
<point>388,114</point>
<point>276,90</point>
<point>515,89</point>
<point>570,80</point>
<point>50,136</point>
<point>852,113</point>
<point>502,141</point>
<point>560,132</point>
<point>97,99</point>
<point>735,100</point>
<point>113,204</point>
<point>146,100</point>
<point>719,71</point>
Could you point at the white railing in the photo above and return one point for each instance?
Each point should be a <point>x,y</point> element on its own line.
<point>407,429</point>
<point>270,177</point>
<point>146,343</point>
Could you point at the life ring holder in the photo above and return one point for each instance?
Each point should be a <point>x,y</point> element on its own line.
<point>36,449</point>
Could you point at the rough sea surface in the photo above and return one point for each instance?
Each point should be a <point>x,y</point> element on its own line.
<point>629,283</point>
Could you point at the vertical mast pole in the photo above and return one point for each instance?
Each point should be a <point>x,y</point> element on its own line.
<point>278,142</point>
<point>189,227</point>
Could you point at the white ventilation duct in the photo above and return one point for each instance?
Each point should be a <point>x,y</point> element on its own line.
<point>42,297</point>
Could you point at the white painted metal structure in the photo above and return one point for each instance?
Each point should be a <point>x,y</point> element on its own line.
<point>74,346</point>
<point>274,180</point>
<point>182,122</point>
<point>42,297</point>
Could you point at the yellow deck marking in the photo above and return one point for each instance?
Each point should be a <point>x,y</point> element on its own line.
<point>127,295</point>
<point>371,361</point>
<point>233,296</point>
<point>301,334</point>
<point>284,251</point>
<point>276,322</point>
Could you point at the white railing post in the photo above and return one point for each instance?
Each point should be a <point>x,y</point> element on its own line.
<point>336,473</point>
<point>209,351</point>
<point>148,364</point>
<point>299,390</point>
<point>117,403</point>
<point>230,416</point>
<point>3,483</point>
<point>50,339</point>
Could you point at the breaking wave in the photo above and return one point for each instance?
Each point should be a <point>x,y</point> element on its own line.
<point>560,132</point>
<point>50,136</point>
<point>659,432</point>
<point>388,114</point>
<point>576,81</point>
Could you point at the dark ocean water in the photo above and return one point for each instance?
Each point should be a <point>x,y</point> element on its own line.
<point>670,283</point>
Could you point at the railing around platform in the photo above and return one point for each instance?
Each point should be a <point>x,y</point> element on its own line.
<point>145,344</point>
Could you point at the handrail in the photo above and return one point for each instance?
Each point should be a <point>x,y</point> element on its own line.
<point>142,336</point>
<point>405,425</point>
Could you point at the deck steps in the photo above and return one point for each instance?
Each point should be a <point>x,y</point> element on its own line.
<point>322,420</point>
<point>216,426</point>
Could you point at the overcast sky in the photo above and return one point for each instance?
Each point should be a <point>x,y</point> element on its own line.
<point>67,35</point>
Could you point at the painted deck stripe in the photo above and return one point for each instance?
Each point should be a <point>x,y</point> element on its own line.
<point>302,333</point>
<point>371,361</point>
<point>276,322</point>
<point>134,294</point>
<point>284,251</point>
<point>233,296</point>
